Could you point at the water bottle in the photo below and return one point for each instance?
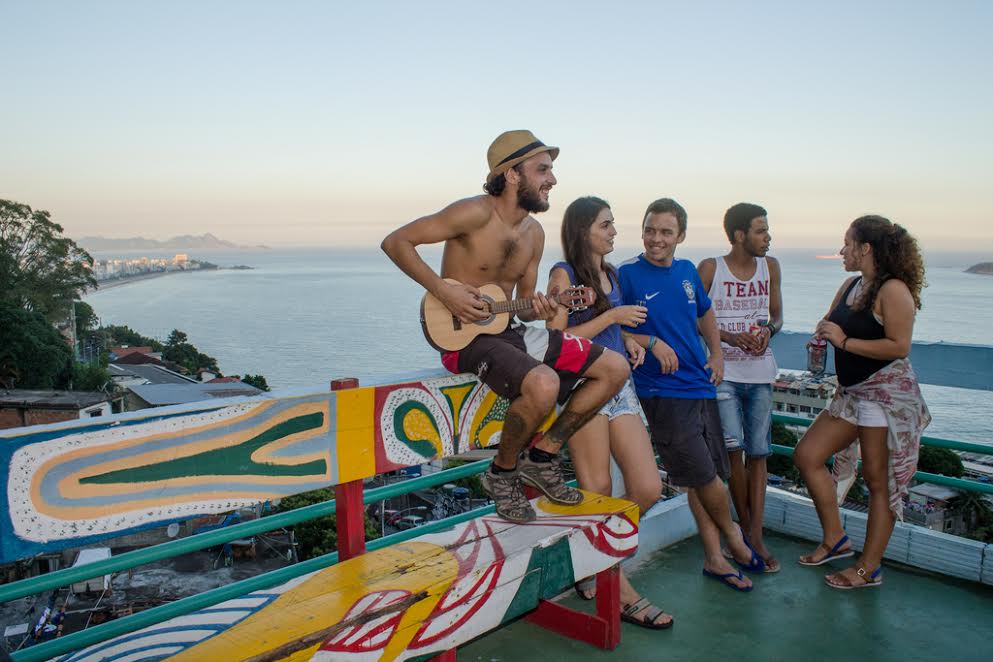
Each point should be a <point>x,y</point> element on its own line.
<point>816,356</point>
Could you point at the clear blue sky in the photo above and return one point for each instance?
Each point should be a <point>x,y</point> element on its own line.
<point>331,123</point>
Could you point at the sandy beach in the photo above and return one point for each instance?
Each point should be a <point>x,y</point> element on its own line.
<point>118,282</point>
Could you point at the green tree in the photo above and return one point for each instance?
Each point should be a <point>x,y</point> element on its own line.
<point>181,352</point>
<point>258,381</point>
<point>471,483</point>
<point>940,461</point>
<point>32,353</point>
<point>974,509</point>
<point>125,335</point>
<point>982,534</point>
<point>782,465</point>
<point>40,269</point>
<point>319,536</point>
<point>86,318</point>
<point>91,377</point>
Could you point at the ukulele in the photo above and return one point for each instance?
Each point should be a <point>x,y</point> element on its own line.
<point>447,333</point>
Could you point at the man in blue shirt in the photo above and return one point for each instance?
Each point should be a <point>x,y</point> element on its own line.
<point>676,385</point>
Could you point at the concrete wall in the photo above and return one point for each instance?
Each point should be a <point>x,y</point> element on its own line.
<point>913,545</point>
<point>15,417</point>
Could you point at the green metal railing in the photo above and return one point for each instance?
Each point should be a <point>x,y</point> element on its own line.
<point>921,476</point>
<point>155,615</point>
<point>200,541</point>
<point>96,634</point>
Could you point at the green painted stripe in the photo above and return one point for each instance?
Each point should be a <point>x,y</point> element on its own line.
<point>232,461</point>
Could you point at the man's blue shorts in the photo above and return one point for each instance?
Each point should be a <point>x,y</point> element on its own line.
<point>746,417</point>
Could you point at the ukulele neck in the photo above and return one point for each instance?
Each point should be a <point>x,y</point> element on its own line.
<point>515,306</point>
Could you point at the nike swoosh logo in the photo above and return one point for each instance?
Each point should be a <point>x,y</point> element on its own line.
<point>649,297</point>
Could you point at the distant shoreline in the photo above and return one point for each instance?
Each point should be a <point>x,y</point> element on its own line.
<point>118,282</point>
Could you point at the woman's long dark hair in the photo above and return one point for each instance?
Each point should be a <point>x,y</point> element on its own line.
<point>576,223</point>
<point>896,254</point>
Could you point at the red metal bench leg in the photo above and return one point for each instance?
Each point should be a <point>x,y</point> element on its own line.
<point>602,630</point>
<point>350,519</point>
<point>608,605</point>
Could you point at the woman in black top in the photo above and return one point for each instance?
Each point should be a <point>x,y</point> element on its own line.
<point>878,403</point>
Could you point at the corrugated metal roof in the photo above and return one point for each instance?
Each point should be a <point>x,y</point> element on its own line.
<point>173,394</point>
<point>156,374</point>
<point>51,399</point>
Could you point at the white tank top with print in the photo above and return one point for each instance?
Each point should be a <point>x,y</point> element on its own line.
<point>740,306</point>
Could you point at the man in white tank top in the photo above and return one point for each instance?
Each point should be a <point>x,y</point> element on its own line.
<point>744,286</point>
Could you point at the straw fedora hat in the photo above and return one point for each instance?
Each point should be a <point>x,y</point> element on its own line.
<point>512,147</point>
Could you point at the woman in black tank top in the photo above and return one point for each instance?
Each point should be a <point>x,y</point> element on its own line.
<point>870,323</point>
<point>856,324</point>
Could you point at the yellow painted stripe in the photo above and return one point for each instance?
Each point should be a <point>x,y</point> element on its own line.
<point>423,570</point>
<point>593,504</point>
<point>356,439</point>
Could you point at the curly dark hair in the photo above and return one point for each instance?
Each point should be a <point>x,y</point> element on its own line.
<point>576,223</point>
<point>499,183</point>
<point>896,254</point>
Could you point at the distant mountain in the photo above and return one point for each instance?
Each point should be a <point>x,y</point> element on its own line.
<point>985,268</point>
<point>186,242</point>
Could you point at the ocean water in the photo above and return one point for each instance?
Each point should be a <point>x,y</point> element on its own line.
<point>302,317</point>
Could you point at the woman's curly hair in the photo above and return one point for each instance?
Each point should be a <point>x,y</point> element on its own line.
<point>896,254</point>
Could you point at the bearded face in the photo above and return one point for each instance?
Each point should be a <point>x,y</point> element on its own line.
<point>530,197</point>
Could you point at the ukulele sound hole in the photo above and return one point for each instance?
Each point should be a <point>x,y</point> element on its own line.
<point>456,323</point>
<point>489,307</point>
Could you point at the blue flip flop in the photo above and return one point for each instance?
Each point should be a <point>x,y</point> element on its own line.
<point>755,564</point>
<point>725,577</point>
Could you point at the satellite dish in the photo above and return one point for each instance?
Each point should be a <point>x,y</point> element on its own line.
<point>172,530</point>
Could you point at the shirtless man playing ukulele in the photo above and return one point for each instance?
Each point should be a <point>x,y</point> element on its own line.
<point>493,238</point>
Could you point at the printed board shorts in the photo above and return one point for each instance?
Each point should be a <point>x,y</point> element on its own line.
<point>688,437</point>
<point>503,360</point>
<point>746,417</point>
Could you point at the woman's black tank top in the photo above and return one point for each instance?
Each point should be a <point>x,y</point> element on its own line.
<point>861,325</point>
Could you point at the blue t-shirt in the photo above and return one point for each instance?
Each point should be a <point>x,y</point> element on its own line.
<point>675,299</point>
<point>609,337</point>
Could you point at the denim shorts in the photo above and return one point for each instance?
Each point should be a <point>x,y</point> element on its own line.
<point>625,402</point>
<point>746,416</point>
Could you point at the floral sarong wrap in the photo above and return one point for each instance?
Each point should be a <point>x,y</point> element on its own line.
<point>895,389</point>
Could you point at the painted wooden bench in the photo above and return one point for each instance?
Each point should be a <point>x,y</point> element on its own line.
<point>76,483</point>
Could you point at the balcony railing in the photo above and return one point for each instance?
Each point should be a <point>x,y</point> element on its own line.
<point>96,634</point>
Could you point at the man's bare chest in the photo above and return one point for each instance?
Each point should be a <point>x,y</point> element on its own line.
<point>499,254</point>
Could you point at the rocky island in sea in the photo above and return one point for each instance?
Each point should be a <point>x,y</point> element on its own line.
<point>985,268</point>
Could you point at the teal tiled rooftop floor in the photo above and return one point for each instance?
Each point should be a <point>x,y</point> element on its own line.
<point>790,616</point>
